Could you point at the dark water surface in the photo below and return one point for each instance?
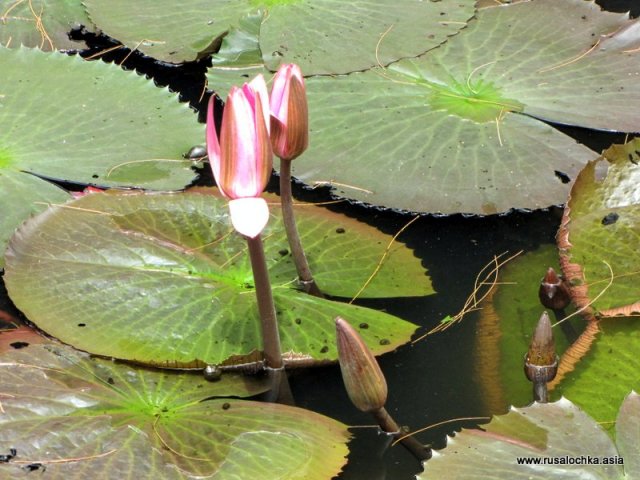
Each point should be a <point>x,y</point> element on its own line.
<point>432,380</point>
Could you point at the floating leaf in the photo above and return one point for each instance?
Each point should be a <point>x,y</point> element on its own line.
<point>553,432</point>
<point>452,130</point>
<point>83,417</point>
<point>25,195</point>
<point>43,24</point>
<point>326,36</point>
<point>94,123</point>
<point>599,234</point>
<point>163,279</point>
<point>607,372</point>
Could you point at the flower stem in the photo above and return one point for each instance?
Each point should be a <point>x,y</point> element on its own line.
<point>302,266</point>
<point>389,425</point>
<point>266,308</point>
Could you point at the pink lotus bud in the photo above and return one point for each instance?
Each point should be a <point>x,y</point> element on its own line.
<point>361,374</point>
<point>241,159</point>
<point>289,113</point>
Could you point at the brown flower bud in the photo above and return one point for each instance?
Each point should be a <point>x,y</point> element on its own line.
<point>553,292</point>
<point>541,362</point>
<point>361,374</point>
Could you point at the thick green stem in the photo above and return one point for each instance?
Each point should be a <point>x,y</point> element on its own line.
<point>266,308</point>
<point>389,425</point>
<point>302,266</point>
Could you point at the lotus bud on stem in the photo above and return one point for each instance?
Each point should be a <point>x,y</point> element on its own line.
<point>367,387</point>
<point>554,295</point>
<point>541,361</point>
<point>241,161</point>
<point>289,138</point>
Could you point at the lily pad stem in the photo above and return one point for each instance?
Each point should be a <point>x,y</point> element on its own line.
<point>299,258</point>
<point>389,425</point>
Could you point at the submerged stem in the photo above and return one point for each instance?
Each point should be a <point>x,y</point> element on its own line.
<point>266,308</point>
<point>302,266</point>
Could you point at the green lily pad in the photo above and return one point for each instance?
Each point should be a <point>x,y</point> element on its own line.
<point>608,371</point>
<point>163,279</point>
<point>24,195</point>
<point>84,417</point>
<point>87,122</point>
<point>326,36</point>
<point>43,24</point>
<point>239,58</point>
<point>554,432</point>
<point>599,235</point>
<point>452,130</point>
<point>506,323</point>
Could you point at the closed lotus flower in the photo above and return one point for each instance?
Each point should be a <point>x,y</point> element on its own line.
<point>241,158</point>
<point>289,113</point>
<point>363,379</point>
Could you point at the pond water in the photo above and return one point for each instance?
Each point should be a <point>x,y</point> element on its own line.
<point>432,380</point>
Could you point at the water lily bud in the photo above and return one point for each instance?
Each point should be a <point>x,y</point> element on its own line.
<point>541,362</point>
<point>289,113</point>
<point>361,374</point>
<point>241,159</point>
<point>553,292</point>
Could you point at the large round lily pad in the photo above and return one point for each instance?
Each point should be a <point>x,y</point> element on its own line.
<point>87,122</point>
<point>326,36</point>
<point>163,279</point>
<point>452,130</point>
<point>82,417</point>
<point>598,239</point>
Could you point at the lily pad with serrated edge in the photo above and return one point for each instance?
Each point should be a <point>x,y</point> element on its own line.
<point>453,131</point>
<point>43,24</point>
<point>163,279</point>
<point>598,239</point>
<point>557,432</point>
<point>82,417</point>
<point>88,122</point>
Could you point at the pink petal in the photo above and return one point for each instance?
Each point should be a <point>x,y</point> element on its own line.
<point>213,144</point>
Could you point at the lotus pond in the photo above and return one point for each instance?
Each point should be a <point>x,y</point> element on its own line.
<point>457,150</point>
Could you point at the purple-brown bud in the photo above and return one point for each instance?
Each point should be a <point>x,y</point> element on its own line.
<point>541,362</point>
<point>553,292</point>
<point>361,374</point>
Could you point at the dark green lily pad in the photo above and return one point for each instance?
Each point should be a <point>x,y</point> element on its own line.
<point>87,122</point>
<point>43,24</point>
<point>557,432</point>
<point>163,279</point>
<point>83,417</point>
<point>325,36</point>
<point>452,130</point>
<point>599,236</point>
